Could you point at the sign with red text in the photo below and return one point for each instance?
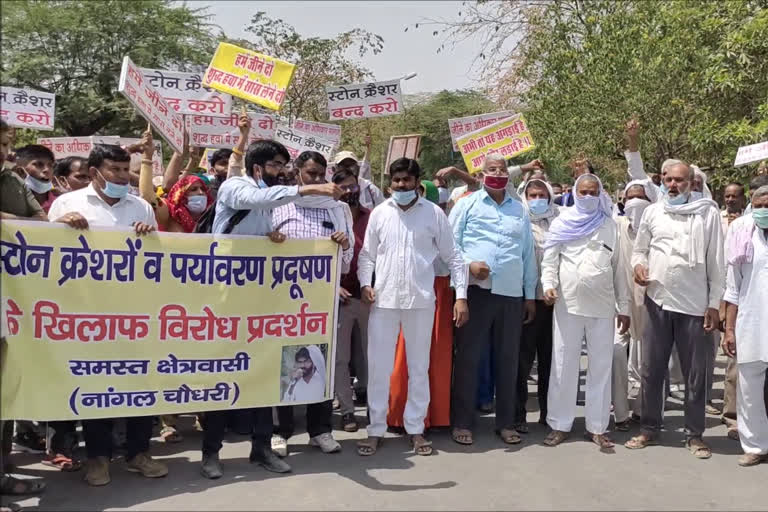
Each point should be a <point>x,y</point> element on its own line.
<point>63,147</point>
<point>148,101</point>
<point>508,138</point>
<point>222,132</point>
<point>357,101</point>
<point>326,131</point>
<point>184,92</point>
<point>462,125</point>
<point>250,75</point>
<point>750,154</point>
<point>27,108</point>
<point>297,141</point>
<point>113,325</point>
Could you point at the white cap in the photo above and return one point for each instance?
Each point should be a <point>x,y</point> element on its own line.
<point>343,155</point>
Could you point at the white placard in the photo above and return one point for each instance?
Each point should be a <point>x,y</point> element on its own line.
<point>63,147</point>
<point>297,141</point>
<point>148,101</point>
<point>749,154</point>
<point>460,126</point>
<point>184,92</point>
<point>327,131</point>
<point>222,132</point>
<point>27,108</point>
<point>356,101</point>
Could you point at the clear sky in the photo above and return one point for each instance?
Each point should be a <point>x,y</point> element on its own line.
<point>404,52</point>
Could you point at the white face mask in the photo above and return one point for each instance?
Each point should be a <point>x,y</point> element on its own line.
<point>38,186</point>
<point>633,209</point>
<point>197,204</point>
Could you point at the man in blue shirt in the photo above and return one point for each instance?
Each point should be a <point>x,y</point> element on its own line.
<point>493,234</point>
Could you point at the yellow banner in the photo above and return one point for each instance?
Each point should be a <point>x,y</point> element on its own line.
<point>101,323</point>
<point>508,137</point>
<point>253,76</point>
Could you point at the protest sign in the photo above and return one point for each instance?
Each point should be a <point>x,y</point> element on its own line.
<point>63,147</point>
<point>462,125</point>
<point>508,137</point>
<point>148,101</point>
<point>750,154</point>
<point>327,131</point>
<point>357,101</point>
<point>185,94</point>
<point>402,146</point>
<point>222,132</point>
<point>297,141</point>
<point>253,76</point>
<point>121,326</point>
<point>27,108</point>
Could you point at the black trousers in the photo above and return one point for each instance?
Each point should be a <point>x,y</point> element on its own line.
<point>318,419</point>
<point>98,436</point>
<point>215,423</point>
<point>64,438</point>
<point>536,342</point>
<point>494,320</point>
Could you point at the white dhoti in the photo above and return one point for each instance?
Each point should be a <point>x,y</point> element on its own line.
<point>383,329</point>
<point>750,407</point>
<point>568,332</point>
<point>620,377</point>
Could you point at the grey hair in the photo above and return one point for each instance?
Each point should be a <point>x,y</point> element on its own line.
<point>669,163</point>
<point>589,177</point>
<point>691,168</point>
<point>762,191</point>
<point>494,157</point>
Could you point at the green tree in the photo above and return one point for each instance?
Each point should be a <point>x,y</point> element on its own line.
<point>75,49</point>
<point>693,72</point>
<point>320,62</point>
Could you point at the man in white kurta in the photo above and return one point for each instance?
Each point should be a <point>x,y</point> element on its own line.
<point>582,275</point>
<point>403,237</point>
<point>747,324</point>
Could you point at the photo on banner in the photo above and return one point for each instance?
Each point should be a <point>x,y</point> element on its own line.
<point>358,101</point>
<point>150,104</point>
<point>120,325</point>
<point>303,373</point>
<point>402,146</point>
<point>184,92</point>
<point>508,137</point>
<point>249,75</point>
<point>27,108</point>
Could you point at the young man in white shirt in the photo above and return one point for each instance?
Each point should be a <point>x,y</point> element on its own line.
<point>745,339</point>
<point>582,275</point>
<point>404,236</point>
<point>106,202</point>
<point>678,255</point>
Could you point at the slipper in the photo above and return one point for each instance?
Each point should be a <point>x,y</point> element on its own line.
<point>368,447</point>
<point>62,462</point>
<point>510,436</point>
<point>170,435</point>
<point>601,440</point>
<point>421,446</point>
<point>555,437</point>
<point>699,449</point>
<point>462,436</point>
<point>12,486</point>
<point>639,442</point>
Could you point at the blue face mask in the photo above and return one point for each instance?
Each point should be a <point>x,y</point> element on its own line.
<point>538,206</point>
<point>586,203</point>
<point>36,185</point>
<point>663,188</point>
<point>197,204</point>
<point>114,190</point>
<point>760,215</point>
<point>677,200</point>
<point>403,197</point>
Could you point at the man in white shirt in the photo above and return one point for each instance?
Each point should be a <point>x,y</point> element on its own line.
<point>745,340</point>
<point>308,377</point>
<point>404,236</point>
<point>106,202</point>
<point>582,275</point>
<point>678,255</point>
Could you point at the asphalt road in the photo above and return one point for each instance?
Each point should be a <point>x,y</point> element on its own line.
<point>487,475</point>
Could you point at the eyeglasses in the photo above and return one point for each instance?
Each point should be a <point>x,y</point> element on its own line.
<point>276,165</point>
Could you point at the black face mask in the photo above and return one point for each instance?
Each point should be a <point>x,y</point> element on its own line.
<point>351,198</point>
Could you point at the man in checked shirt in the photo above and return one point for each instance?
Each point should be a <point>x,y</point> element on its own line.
<point>314,217</point>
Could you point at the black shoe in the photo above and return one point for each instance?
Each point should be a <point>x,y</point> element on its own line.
<point>349,423</point>
<point>264,457</point>
<point>360,397</point>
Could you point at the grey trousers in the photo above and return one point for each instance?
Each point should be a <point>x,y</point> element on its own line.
<point>354,312</point>
<point>666,329</point>
<point>493,320</point>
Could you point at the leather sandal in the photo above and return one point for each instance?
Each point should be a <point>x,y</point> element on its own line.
<point>555,437</point>
<point>462,436</point>
<point>420,445</point>
<point>367,447</point>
